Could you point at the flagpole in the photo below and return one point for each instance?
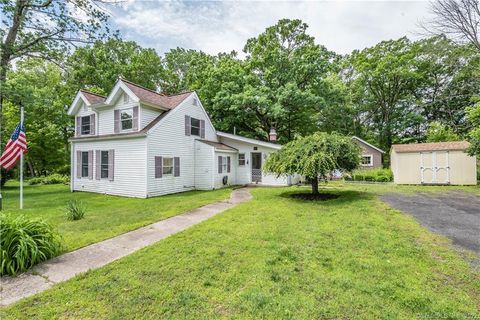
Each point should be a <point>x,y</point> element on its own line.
<point>21,162</point>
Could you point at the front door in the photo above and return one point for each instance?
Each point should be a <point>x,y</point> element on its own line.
<point>256,167</point>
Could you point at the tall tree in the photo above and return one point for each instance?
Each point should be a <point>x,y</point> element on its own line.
<point>285,71</point>
<point>97,66</point>
<point>459,19</point>
<point>185,70</point>
<point>383,78</point>
<point>473,114</point>
<point>39,88</point>
<point>450,78</point>
<point>45,29</point>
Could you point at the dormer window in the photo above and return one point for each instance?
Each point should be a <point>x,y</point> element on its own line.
<point>85,125</point>
<point>195,127</point>
<point>126,119</point>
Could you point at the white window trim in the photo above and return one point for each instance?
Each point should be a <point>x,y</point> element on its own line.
<point>371,160</point>
<point>164,166</point>
<point>89,125</point>
<point>126,110</point>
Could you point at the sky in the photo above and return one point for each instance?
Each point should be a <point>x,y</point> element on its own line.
<point>214,27</point>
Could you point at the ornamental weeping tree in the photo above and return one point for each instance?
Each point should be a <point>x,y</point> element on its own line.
<point>314,157</point>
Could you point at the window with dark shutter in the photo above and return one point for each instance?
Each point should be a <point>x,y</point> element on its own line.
<point>176,167</point>
<point>158,167</point>
<point>85,125</point>
<point>228,164</point>
<point>219,164</point>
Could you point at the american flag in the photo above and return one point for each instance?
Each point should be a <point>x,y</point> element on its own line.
<point>16,146</point>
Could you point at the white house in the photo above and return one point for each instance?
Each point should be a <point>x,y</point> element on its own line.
<point>139,143</point>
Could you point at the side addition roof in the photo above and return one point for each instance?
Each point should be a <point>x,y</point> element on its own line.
<point>218,145</point>
<point>249,140</point>
<point>368,144</point>
<point>434,146</point>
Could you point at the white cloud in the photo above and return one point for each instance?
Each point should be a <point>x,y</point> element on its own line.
<point>225,26</point>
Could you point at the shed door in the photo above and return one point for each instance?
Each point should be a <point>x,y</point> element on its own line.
<point>434,168</point>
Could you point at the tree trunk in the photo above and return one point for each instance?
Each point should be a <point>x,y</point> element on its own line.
<point>314,185</point>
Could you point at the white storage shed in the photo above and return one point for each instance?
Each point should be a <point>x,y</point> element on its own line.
<point>433,163</point>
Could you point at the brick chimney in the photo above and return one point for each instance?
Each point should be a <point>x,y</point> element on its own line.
<point>272,136</point>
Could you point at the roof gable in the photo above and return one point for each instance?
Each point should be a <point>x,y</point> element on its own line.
<point>86,97</point>
<point>368,144</point>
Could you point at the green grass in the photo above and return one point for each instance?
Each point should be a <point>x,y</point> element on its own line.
<point>106,216</point>
<point>278,258</point>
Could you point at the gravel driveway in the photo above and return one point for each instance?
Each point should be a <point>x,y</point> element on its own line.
<point>452,214</point>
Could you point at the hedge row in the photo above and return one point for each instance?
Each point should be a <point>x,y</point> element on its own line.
<point>373,175</point>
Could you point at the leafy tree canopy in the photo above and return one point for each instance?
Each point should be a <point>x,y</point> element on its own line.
<point>474,135</point>
<point>97,67</point>
<point>438,132</point>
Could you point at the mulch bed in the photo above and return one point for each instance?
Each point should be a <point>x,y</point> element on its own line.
<point>314,197</point>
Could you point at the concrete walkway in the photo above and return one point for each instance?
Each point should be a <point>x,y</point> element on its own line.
<point>66,266</point>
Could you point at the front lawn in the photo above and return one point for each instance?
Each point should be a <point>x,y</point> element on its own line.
<point>278,258</point>
<point>106,216</point>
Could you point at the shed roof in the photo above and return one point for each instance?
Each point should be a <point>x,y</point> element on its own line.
<point>433,146</point>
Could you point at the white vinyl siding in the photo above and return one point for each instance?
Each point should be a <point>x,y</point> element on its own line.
<point>243,173</point>
<point>128,168</point>
<point>168,139</point>
<point>147,115</point>
<point>204,166</point>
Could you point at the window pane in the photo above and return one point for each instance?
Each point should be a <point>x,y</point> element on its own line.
<point>126,118</point>
<point>241,159</point>
<point>366,160</point>
<point>104,164</point>
<point>84,164</point>
<point>195,127</point>
<point>167,170</point>
<point>167,166</point>
<point>85,126</point>
<point>195,122</point>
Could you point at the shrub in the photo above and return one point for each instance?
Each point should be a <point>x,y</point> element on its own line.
<point>75,210</point>
<point>50,179</point>
<point>24,243</point>
<point>5,176</point>
<point>373,175</point>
